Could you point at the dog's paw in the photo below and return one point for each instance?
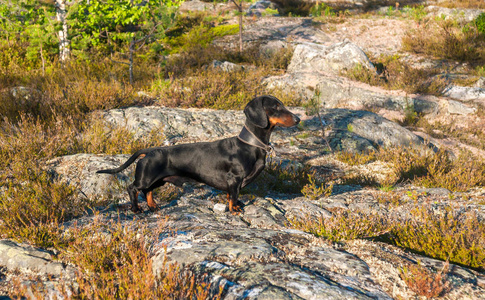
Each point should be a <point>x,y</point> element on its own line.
<point>136,209</point>
<point>154,208</point>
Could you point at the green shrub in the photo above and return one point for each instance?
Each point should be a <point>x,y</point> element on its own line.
<point>314,190</point>
<point>480,23</point>
<point>344,225</point>
<point>446,235</point>
<point>322,9</point>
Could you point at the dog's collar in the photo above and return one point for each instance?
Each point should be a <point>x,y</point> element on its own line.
<point>248,137</point>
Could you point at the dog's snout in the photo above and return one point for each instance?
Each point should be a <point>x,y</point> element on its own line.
<point>296,119</point>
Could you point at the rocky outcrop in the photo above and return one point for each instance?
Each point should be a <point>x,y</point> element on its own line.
<point>257,254</point>
<point>79,170</point>
<point>346,130</point>
<point>310,57</point>
<point>465,93</point>
<point>269,30</point>
<point>177,125</point>
<point>27,258</point>
<point>360,131</point>
<point>261,8</point>
<point>341,92</point>
<point>174,124</point>
<point>460,14</point>
<point>249,258</point>
<point>197,5</point>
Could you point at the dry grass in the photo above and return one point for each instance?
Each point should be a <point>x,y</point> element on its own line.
<point>396,75</point>
<point>118,265</point>
<point>422,167</point>
<point>34,205</point>
<point>354,159</point>
<point>424,282</point>
<point>211,88</point>
<point>463,4</point>
<point>446,39</point>
<point>471,134</point>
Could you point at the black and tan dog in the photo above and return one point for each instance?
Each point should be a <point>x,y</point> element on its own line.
<point>228,164</point>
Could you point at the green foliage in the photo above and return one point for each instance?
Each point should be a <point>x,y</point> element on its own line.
<point>480,23</point>
<point>322,9</point>
<point>270,12</point>
<point>418,13</point>
<point>110,25</point>
<point>200,36</point>
<point>33,23</point>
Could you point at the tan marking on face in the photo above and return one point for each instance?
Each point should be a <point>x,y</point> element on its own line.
<point>285,121</point>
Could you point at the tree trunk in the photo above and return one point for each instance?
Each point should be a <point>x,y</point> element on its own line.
<point>239,7</point>
<point>240,28</point>
<point>132,49</point>
<point>43,61</point>
<point>61,12</point>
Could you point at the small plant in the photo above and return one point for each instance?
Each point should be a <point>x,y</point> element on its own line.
<point>345,225</point>
<point>425,283</point>
<point>313,191</point>
<point>100,137</point>
<point>360,179</point>
<point>279,178</point>
<point>389,197</point>
<point>322,10</point>
<point>410,115</point>
<point>393,74</point>
<point>354,159</point>
<point>270,12</point>
<point>418,13</point>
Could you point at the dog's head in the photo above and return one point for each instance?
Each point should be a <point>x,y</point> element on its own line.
<point>264,111</point>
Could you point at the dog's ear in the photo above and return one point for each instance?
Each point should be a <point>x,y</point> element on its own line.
<point>255,112</point>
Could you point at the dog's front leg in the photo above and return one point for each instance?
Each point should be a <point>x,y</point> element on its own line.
<point>133,193</point>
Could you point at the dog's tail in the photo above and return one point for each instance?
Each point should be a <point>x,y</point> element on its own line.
<point>128,162</point>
